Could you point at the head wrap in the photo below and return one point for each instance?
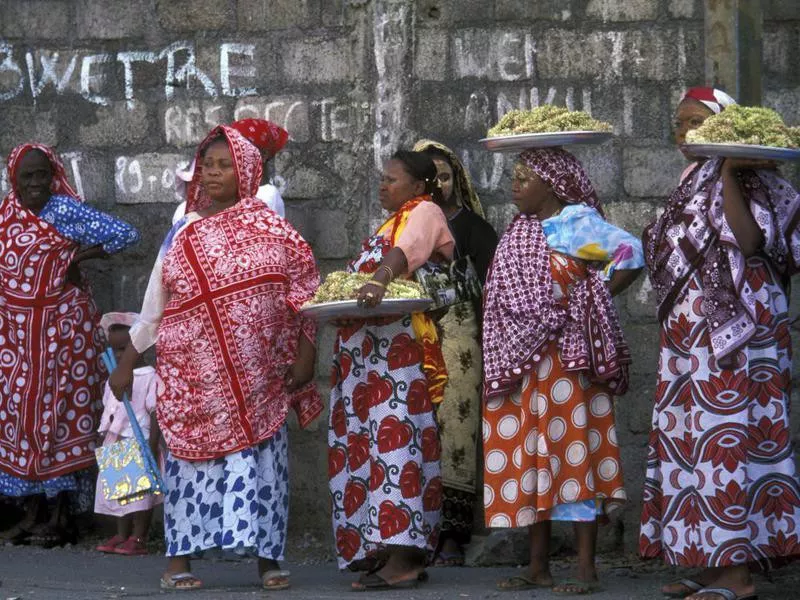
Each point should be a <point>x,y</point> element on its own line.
<point>714,99</point>
<point>60,183</point>
<point>462,184</point>
<point>117,318</point>
<point>246,162</point>
<point>268,137</point>
<point>564,173</point>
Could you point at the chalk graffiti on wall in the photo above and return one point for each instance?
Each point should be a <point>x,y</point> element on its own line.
<point>92,74</point>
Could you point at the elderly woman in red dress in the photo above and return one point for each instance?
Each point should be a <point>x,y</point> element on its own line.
<point>721,491</point>
<point>234,356</point>
<point>50,341</point>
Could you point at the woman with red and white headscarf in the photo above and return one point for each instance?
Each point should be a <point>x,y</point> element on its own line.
<point>554,357</point>
<point>269,138</point>
<point>233,356</point>
<point>721,490</point>
<point>50,342</point>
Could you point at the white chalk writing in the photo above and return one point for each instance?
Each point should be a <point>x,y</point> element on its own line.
<point>95,72</point>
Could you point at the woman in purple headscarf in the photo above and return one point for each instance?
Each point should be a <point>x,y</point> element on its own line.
<point>721,491</point>
<point>554,357</point>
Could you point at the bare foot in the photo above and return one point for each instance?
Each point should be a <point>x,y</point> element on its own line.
<point>704,578</point>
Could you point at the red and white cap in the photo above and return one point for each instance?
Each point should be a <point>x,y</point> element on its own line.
<point>714,99</point>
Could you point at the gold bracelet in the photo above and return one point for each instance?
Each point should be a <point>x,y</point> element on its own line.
<point>388,270</point>
<point>376,282</point>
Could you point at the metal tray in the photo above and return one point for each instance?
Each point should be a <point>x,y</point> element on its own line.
<point>349,309</point>
<point>743,151</point>
<point>524,141</point>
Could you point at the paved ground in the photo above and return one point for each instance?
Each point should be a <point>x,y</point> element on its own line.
<point>80,574</point>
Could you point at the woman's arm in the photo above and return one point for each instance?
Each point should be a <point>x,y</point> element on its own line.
<point>90,227</point>
<point>735,206</point>
<point>621,279</point>
<point>302,369</point>
<point>394,263</point>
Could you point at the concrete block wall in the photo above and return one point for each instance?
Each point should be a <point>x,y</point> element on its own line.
<point>126,89</point>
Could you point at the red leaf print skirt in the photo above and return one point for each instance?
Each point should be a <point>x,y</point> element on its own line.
<point>721,486</point>
<point>383,443</point>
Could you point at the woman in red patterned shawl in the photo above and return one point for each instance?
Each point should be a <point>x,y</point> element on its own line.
<point>49,342</point>
<point>233,356</point>
<point>721,490</point>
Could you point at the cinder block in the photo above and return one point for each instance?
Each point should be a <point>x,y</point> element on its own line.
<point>555,10</point>
<point>191,15</point>
<point>495,55</point>
<point>290,112</point>
<point>186,123</point>
<point>116,125</point>
<point>110,19</point>
<point>316,60</point>
<point>265,15</point>
<point>46,20</point>
<point>622,10</point>
<point>652,172</point>
<point>146,178</point>
<point>779,55</point>
<point>20,124</point>
<point>602,165</point>
<point>686,9</point>
<point>431,55</point>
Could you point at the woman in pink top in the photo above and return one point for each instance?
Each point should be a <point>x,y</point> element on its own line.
<point>383,441</point>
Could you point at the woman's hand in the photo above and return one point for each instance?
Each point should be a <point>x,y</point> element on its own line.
<point>738,164</point>
<point>302,369</point>
<point>89,253</point>
<point>121,380</point>
<point>370,295</point>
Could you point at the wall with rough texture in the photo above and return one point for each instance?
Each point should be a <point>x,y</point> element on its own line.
<point>126,88</point>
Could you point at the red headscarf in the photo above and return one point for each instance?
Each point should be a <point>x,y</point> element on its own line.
<point>714,99</point>
<point>564,173</point>
<point>246,162</point>
<point>268,137</point>
<point>60,183</point>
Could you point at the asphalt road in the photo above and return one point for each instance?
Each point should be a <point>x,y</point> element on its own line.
<point>77,573</point>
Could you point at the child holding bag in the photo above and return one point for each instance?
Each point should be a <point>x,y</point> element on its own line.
<point>133,519</point>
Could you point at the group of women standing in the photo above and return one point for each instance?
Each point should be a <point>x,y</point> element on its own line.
<point>534,369</point>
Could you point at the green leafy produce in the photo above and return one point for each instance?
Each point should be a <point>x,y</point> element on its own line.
<point>546,119</point>
<point>753,125</point>
<point>340,285</point>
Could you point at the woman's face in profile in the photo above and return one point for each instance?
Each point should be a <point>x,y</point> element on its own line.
<point>690,115</point>
<point>397,186</point>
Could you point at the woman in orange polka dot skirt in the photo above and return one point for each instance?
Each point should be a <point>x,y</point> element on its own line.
<point>554,356</point>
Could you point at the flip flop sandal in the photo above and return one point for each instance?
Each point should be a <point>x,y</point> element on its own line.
<point>272,576</point>
<point>110,546</point>
<point>375,583</point>
<point>369,564</point>
<point>726,594</point>
<point>518,583</point>
<point>586,587</point>
<point>131,547</point>
<point>16,535</point>
<point>448,559</point>
<point>52,537</point>
<point>690,584</point>
<point>173,581</point>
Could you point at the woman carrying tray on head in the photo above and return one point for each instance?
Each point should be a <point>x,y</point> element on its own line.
<point>460,413</point>
<point>721,491</point>
<point>554,357</point>
<point>383,442</point>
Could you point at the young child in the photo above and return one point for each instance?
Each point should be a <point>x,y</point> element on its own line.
<point>133,520</point>
<point>554,357</point>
